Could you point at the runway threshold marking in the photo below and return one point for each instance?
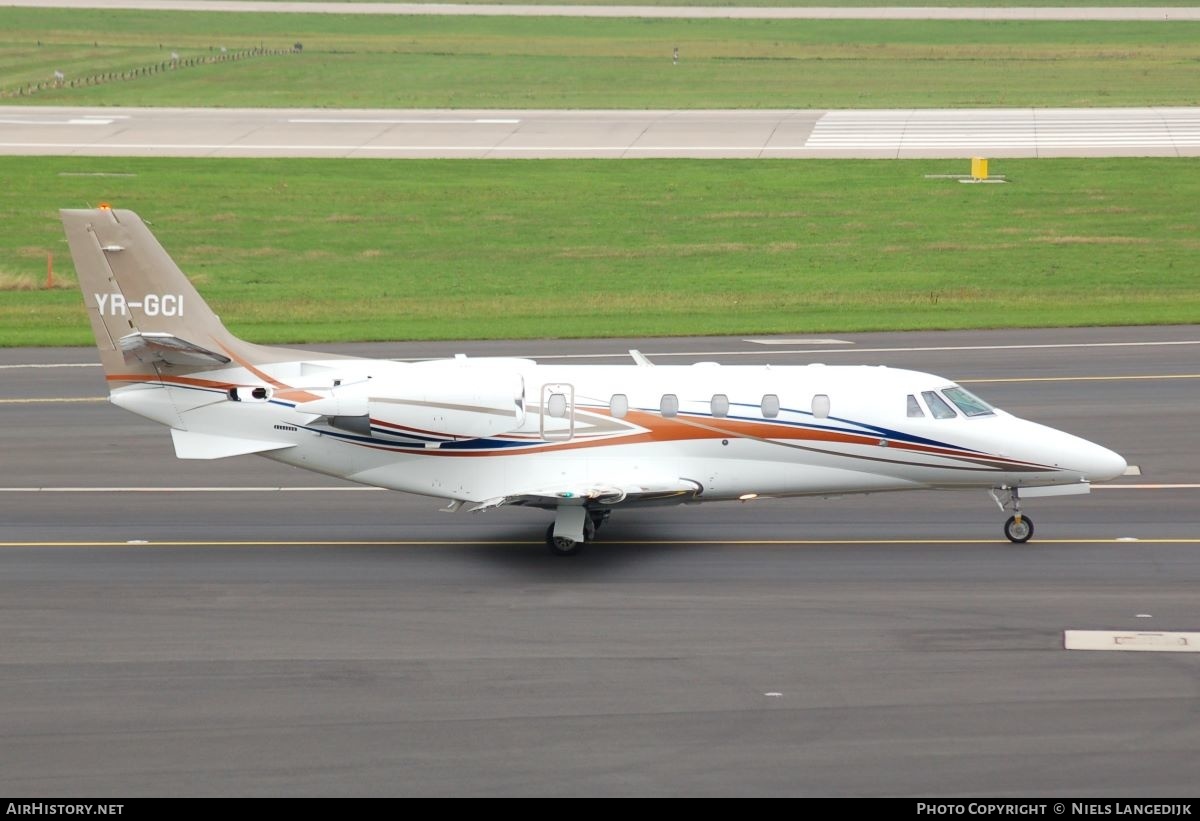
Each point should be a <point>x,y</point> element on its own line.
<point>150,543</point>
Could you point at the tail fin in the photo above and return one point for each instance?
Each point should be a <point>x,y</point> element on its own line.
<point>143,310</point>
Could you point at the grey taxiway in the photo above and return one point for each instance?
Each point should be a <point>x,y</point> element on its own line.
<point>237,627</point>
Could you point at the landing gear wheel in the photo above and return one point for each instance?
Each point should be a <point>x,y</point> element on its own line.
<point>561,546</point>
<point>1018,529</point>
<point>597,518</point>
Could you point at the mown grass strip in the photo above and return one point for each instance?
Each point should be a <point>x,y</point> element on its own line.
<point>464,62</point>
<point>323,250</point>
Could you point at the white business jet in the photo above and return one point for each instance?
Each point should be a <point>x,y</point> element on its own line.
<point>576,440</point>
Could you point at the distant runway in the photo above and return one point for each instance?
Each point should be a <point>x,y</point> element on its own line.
<point>1150,13</point>
<point>902,133</point>
<point>241,628</point>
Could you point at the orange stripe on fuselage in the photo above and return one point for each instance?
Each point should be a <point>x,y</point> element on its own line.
<point>282,391</point>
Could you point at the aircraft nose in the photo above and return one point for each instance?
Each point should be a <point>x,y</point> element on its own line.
<point>1101,464</point>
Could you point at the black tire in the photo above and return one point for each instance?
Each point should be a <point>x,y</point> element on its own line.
<point>1018,532</point>
<point>560,546</point>
<point>598,518</point>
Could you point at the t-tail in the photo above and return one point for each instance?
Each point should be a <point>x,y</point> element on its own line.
<point>146,316</point>
<point>166,355</point>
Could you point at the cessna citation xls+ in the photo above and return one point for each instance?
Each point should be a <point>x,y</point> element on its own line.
<point>577,440</point>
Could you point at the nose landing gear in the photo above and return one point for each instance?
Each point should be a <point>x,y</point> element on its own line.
<point>1018,529</point>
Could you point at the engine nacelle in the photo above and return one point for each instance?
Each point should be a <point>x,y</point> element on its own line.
<point>438,400</point>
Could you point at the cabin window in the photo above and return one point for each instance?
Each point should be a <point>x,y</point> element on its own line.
<point>669,405</point>
<point>556,406</point>
<point>937,406</point>
<point>719,405</point>
<point>967,402</point>
<point>914,408</point>
<point>769,406</point>
<point>820,406</point>
<point>618,405</point>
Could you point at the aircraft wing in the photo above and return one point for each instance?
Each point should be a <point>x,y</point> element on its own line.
<point>639,491</point>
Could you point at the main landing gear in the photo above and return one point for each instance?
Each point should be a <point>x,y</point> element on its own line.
<point>1018,529</point>
<point>574,527</point>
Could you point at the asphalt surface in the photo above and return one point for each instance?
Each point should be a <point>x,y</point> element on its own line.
<point>899,133</point>
<point>1128,13</point>
<point>367,644</point>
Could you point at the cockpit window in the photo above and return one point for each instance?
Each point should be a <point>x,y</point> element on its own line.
<point>914,408</point>
<point>967,402</point>
<point>937,406</point>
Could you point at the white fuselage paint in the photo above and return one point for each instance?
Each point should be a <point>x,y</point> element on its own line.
<point>867,444</point>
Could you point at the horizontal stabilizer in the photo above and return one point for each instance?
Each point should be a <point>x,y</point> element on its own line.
<point>148,347</point>
<point>192,445</point>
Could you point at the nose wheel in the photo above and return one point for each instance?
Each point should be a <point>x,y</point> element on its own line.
<point>1019,528</point>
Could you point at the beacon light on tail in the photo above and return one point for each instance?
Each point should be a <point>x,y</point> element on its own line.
<point>576,440</point>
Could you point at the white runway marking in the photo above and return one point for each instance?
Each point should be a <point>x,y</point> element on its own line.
<point>55,365</point>
<point>364,488</point>
<point>921,349</point>
<point>1131,640</point>
<point>398,121</point>
<point>1028,129</point>
<point>798,341</point>
<point>736,544</point>
<point>50,400</point>
<point>1146,487</point>
<point>918,349</point>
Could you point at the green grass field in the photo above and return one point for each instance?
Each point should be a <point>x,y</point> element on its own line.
<point>357,61</point>
<point>322,250</point>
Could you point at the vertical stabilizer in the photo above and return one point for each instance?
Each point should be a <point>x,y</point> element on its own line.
<point>147,318</point>
<point>137,299</point>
